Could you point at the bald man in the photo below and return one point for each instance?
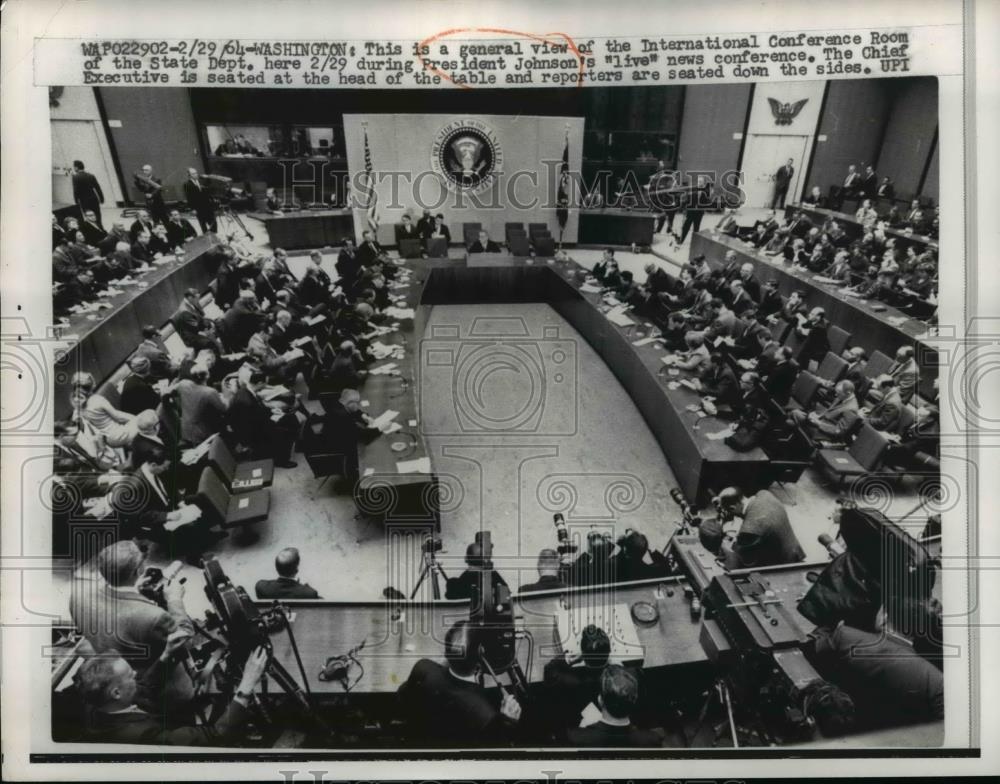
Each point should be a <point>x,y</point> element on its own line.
<point>287,585</point>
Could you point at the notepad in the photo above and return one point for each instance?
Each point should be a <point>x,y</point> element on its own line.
<point>302,341</point>
<point>589,289</point>
<point>312,321</point>
<point>617,316</point>
<point>382,421</point>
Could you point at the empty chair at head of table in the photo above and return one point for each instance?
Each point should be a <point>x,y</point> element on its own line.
<point>518,245</point>
<point>544,246</point>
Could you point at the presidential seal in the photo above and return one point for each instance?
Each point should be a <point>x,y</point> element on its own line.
<point>467,155</point>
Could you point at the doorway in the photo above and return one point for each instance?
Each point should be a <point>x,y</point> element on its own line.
<point>764,154</point>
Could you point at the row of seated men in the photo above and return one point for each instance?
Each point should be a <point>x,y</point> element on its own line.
<point>241,379</point>
<point>874,266</point>
<point>86,257</point>
<point>879,205</point>
<point>133,688</point>
<point>725,326</point>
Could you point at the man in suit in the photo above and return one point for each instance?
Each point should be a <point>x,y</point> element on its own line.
<point>886,190</point>
<point>837,421</point>
<point>141,223</point>
<point>242,321</point>
<point>116,234</point>
<point>765,537</point>
<point>718,380</point>
<point>93,232</point>
<point>287,585</point>
<point>462,587</point>
<point>618,698</point>
<point>153,349</point>
<point>635,561</point>
<point>484,244</point>
<point>885,414</point>
<point>348,265</point>
<point>345,427</point>
<point>905,373</point>
<point>370,250</point>
<point>142,249</point>
<point>203,410</point>
<point>199,200</point>
<point>696,202</point>
<point>405,230</point>
<point>869,183</point>
<point>749,280</point>
<point>852,185</point>
<point>571,684</point>
<point>815,197</point>
<point>253,428</point>
<point>425,225</point>
<point>890,677</point>
<point>152,188</point>
<point>446,704</point>
<point>190,322</point>
<point>126,707</point>
<point>739,298</point>
<point>439,229</point>
<point>138,393</point>
<point>87,192</point>
<point>179,230</point>
<point>778,382</point>
<point>549,573</point>
<point>347,370</point>
<point>782,180</point>
<point>109,611</point>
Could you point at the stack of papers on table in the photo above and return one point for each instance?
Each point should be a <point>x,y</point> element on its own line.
<point>383,370</point>
<point>399,313</point>
<point>619,317</point>
<point>590,288</point>
<point>213,311</point>
<point>422,465</point>
<point>188,514</point>
<point>384,419</point>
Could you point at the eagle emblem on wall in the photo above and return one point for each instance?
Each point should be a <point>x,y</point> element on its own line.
<point>784,113</point>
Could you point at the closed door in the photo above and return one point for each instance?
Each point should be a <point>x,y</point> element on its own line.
<point>76,140</point>
<point>764,155</point>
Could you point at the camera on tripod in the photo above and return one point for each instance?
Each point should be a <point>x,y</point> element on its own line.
<point>431,544</point>
<point>689,518</point>
<point>235,614</point>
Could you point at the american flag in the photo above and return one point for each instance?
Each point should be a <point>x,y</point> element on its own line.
<point>368,189</point>
<point>562,198</point>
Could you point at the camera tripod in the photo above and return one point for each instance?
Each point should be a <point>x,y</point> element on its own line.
<point>230,224</point>
<point>432,569</point>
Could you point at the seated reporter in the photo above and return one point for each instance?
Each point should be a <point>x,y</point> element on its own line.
<point>259,432</point>
<point>635,561</point>
<point>344,429</point>
<point>837,422</point>
<point>126,708</point>
<point>718,381</point>
<point>445,704</point>
<point>886,413</point>
<point>697,357</point>
<point>571,683</point>
<point>549,573</point>
<point>619,693</point>
<point>462,587</point>
<point>765,537</point>
<point>595,566</point>
<point>484,244</point>
<point>287,585</point>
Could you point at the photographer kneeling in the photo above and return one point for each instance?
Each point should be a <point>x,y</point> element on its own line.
<point>126,706</point>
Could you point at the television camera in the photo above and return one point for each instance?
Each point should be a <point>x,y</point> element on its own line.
<point>236,626</point>
<point>225,195</point>
<point>491,613</point>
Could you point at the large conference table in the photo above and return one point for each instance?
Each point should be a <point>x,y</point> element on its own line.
<point>701,463</point>
<point>872,325</point>
<point>101,341</point>
<point>307,228</point>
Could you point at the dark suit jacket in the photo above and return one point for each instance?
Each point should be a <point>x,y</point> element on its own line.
<point>154,728</point>
<point>137,226</point>
<point>87,190</point>
<point>93,233</point>
<point>138,395</point>
<point>783,177</point>
<point>544,583</point>
<point>348,266</point>
<point>721,382</point>
<point>240,323</point>
<point>490,247</point>
<point>143,253</point>
<point>568,690</point>
<point>780,380</point>
<point>250,421</point>
<point>445,709</point>
<point>197,198</point>
<point>890,676</point>
<point>188,320</point>
<point>461,587</point>
<point>285,588</point>
<point>368,252</point>
<point>178,234</point>
<point>402,234</point>
<point>765,538</point>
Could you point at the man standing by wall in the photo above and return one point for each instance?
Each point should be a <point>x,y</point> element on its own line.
<point>87,192</point>
<point>782,180</point>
